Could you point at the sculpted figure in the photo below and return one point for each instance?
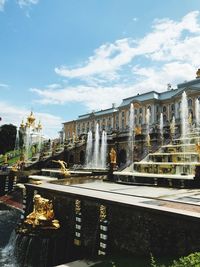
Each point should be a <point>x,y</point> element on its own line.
<point>42,214</point>
<point>63,167</point>
<point>113,156</point>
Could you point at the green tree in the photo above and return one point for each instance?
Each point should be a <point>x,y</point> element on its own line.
<point>7,138</point>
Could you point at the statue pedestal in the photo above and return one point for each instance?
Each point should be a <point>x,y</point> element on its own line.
<point>110,176</point>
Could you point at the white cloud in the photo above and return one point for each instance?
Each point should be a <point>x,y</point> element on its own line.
<point>169,53</point>
<point>27,3</point>
<point>93,97</point>
<point>3,85</point>
<point>14,115</point>
<point>2,4</point>
<point>165,37</point>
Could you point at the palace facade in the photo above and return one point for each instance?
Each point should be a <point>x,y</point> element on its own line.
<point>116,119</point>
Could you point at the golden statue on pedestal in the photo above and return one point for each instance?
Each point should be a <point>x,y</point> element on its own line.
<point>63,166</point>
<point>102,213</point>
<point>138,130</point>
<point>113,156</point>
<point>197,148</point>
<point>42,215</point>
<point>77,206</point>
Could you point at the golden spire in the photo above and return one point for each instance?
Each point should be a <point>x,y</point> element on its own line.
<point>198,74</point>
<point>22,125</point>
<point>39,127</point>
<point>31,119</point>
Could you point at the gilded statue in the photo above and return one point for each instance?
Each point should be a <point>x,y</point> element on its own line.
<point>113,156</point>
<point>198,73</point>
<point>198,147</point>
<point>5,159</point>
<point>42,215</point>
<point>102,213</point>
<point>138,130</point>
<point>77,206</point>
<point>63,167</point>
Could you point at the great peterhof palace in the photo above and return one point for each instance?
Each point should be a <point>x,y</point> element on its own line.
<point>115,120</point>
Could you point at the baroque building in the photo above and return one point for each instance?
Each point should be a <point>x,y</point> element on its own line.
<point>116,119</point>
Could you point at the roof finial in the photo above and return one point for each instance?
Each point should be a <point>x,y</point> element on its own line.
<point>198,74</point>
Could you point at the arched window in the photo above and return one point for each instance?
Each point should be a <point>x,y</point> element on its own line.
<point>164,109</point>
<point>190,102</point>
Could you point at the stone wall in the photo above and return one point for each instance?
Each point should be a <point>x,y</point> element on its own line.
<point>132,230</point>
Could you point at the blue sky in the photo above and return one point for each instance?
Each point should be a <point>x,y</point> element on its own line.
<point>65,58</point>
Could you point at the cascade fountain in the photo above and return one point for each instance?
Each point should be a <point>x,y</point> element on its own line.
<point>103,152</point>
<point>197,112</point>
<point>172,128</point>
<point>96,155</point>
<point>148,114</point>
<point>184,117</point>
<point>131,134</point>
<point>161,127</point>
<point>96,148</point>
<point>17,140</point>
<point>89,149</point>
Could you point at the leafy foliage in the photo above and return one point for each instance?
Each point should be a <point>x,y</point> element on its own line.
<point>192,260</point>
<point>7,138</point>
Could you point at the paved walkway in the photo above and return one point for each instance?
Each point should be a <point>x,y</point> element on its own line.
<point>179,201</point>
<point>79,263</point>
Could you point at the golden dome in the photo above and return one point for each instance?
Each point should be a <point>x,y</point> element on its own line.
<point>31,119</point>
<point>198,73</point>
<point>39,126</point>
<point>22,125</point>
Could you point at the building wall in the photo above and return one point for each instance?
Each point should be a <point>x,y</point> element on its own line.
<point>118,119</point>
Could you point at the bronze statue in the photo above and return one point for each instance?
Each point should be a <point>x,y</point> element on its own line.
<point>63,166</point>
<point>42,215</point>
<point>113,156</point>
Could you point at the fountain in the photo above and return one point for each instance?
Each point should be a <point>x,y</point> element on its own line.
<point>131,135</point>
<point>96,155</point>
<point>89,149</point>
<point>161,127</point>
<point>197,113</point>
<point>172,128</point>
<point>175,164</point>
<point>184,117</point>
<point>103,152</point>
<point>96,148</point>
<point>148,139</point>
<point>17,140</point>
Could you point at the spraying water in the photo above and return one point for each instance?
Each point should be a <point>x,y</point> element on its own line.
<point>96,147</point>
<point>161,126</point>
<point>96,155</point>
<point>148,114</point>
<point>89,149</point>
<point>131,134</point>
<point>197,113</point>
<point>184,116</point>
<point>17,140</point>
<point>103,149</point>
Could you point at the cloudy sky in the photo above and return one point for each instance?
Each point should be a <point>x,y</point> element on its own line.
<point>64,58</point>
